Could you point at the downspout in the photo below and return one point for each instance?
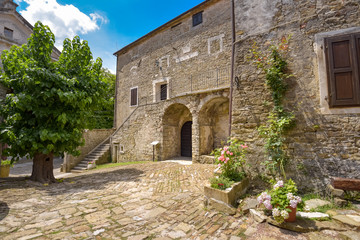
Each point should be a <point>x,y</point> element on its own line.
<point>232,63</point>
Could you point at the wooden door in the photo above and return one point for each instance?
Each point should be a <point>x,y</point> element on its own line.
<point>186,143</point>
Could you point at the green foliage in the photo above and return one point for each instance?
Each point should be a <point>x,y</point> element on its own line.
<point>50,103</point>
<point>279,120</point>
<point>103,115</point>
<point>280,198</point>
<point>221,182</point>
<point>6,162</point>
<point>279,194</point>
<point>231,160</point>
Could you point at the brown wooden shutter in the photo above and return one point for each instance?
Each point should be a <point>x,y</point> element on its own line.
<point>133,97</point>
<point>342,71</point>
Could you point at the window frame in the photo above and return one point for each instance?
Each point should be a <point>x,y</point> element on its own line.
<point>197,19</point>
<point>157,89</point>
<point>353,69</point>
<point>322,74</point>
<point>137,96</point>
<point>8,33</point>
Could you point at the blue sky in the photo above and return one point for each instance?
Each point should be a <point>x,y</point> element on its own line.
<point>107,25</point>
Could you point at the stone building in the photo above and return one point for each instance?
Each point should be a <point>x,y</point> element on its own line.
<point>324,93</point>
<point>173,86</point>
<point>14,30</point>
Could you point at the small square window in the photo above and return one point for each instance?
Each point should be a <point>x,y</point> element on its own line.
<point>197,19</point>
<point>163,91</point>
<point>8,33</point>
<point>134,97</point>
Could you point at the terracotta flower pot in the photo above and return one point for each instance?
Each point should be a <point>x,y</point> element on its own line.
<point>292,215</point>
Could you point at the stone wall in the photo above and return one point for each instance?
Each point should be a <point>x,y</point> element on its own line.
<point>323,143</point>
<point>162,122</point>
<point>194,63</point>
<point>183,56</point>
<point>92,139</point>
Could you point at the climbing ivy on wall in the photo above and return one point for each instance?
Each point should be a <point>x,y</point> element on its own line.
<point>274,66</point>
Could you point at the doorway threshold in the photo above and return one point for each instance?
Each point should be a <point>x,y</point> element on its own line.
<point>180,160</point>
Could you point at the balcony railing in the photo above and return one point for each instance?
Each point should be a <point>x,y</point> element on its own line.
<point>196,83</point>
<point>210,80</point>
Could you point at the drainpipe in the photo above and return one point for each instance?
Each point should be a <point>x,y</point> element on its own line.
<point>232,63</point>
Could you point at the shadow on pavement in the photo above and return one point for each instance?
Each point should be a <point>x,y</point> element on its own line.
<point>84,182</point>
<point>4,210</point>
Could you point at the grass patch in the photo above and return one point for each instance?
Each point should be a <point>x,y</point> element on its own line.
<point>310,196</point>
<point>112,165</point>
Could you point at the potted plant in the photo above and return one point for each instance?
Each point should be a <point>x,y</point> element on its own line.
<point>281,201</point>
<point>5,168</point>
<point>91,165</point>
<point>230,182</point>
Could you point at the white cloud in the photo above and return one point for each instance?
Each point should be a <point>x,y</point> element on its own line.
<point>65,21</point>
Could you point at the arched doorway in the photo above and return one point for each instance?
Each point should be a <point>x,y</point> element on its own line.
<point>186,143</point>
<point>214,124</point>
<point>176,117</point>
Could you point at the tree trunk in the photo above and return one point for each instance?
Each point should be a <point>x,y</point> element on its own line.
<point>43,168</point>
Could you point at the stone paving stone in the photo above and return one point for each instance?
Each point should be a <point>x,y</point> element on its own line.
<point>159,200</point>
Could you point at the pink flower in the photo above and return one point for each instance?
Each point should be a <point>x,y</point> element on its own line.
<point>231,154</point>
<point>228,152</point>
<point>267,204</point>
<point>227,159</point>
<point>222,152</point>
<point>219,165</point>
<point>226,148</point>
<point>279,184</point>
<point>243,146</point>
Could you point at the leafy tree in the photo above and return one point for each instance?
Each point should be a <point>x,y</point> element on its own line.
<point>103,115</point>
<point>50,103</point>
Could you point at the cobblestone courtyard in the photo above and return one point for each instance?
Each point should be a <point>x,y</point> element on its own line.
<point>144,201</point>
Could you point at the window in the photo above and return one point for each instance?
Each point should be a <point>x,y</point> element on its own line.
<point>8,33</point>
<point>163,91</point>
<point>342,61</point>
<point>134,96</point>
<point>197,19</point>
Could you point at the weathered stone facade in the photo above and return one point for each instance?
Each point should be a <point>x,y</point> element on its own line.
<point>325,142</point>
<point>193,61</point>
<point>92,139</point>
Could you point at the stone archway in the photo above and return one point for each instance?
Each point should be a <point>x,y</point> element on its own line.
<point>213,124</point>
<point>175,116</point>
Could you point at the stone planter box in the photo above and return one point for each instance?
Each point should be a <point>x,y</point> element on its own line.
<point>228,196</point>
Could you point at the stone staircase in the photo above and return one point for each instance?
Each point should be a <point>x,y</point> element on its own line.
<point>99,155</point>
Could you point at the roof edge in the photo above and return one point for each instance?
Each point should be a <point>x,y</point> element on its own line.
<point>159,29</point>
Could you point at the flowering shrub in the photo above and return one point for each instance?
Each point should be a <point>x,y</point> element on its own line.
<point>231,160</point>
<point>279,198</point>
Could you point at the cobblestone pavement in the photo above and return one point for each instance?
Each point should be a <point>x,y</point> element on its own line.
<point>144,201</point>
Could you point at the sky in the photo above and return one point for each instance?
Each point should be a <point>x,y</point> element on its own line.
<point>107,25</point>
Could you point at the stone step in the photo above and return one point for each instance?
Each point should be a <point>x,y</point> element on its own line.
<point>79,168</point>
<point>94,156</point>
<point>77,171</point>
